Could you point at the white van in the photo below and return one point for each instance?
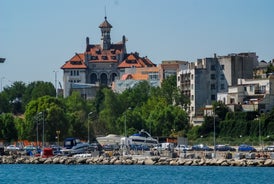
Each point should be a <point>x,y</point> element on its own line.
<point>167,146</point>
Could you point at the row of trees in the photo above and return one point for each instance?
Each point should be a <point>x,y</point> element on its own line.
<point>158,110</point>
<point>26,109</point>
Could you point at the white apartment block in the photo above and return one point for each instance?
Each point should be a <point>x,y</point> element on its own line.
<point>207,77</point>
<point>251,95</point>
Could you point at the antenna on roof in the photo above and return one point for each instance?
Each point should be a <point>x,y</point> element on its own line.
<point>105,12</point>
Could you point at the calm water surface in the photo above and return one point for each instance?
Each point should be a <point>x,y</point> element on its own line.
<point>63,174</point>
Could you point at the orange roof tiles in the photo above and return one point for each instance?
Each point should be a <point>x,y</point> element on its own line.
<point>98,55</point>
<point>76,62</point>
<point>133,60</point>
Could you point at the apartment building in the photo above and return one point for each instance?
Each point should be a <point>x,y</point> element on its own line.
<point>207,77</point>
<point>251,95</point>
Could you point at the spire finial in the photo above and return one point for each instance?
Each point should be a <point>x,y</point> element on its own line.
<point>105,13</point>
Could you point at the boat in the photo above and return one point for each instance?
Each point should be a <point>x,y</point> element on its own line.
<point>143,138</point>
<point>110,139</point>
<point>74,146</point>
<point>80,148</point>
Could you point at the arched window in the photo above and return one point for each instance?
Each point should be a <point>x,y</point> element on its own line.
<point>104,79</point>
<point>93,78</point>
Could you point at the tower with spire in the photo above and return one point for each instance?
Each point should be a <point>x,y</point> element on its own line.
<point>105,34</point>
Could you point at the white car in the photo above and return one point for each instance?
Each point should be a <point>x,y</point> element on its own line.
<point>12,148</point>
<point>269,148</point>
<point>182,148</point>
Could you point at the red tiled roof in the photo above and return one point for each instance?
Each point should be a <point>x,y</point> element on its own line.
<point>76,62</point>
<point>98,55</point>
<point>133,60</point>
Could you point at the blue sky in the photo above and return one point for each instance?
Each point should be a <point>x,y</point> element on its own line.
<point>38,36</point>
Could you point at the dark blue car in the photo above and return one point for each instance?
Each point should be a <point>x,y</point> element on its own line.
<point>246,147</point>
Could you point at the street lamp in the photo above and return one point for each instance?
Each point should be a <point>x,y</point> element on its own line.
<point>2,60</point>
<point>1,89</point>
<point>58,134</point>
<point>89,114</point>
<point>214,133</point>
<point>260,137</point>
<point>37,135</point>
<point>125,124</point>
<point>56,90</point>
<point>43,117</point>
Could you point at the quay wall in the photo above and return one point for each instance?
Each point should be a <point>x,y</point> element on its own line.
<point>136,160</point>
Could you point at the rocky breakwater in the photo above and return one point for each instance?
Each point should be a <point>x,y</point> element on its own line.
<point>135,160</point>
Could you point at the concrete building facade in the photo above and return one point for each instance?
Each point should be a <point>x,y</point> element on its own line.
<point>207,77</point>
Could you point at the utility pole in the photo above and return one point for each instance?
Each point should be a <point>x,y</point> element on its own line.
<point>56,83</point>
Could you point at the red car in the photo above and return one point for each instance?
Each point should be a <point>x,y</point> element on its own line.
<point>47,152</point>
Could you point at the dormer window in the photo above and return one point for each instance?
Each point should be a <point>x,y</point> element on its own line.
<point>104,57</point>
<point>94,58</point>
<point>112,51</point>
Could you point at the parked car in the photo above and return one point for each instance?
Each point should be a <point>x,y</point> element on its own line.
<point>95,147</point>
<point>56,149</point>
<point>139,147</point>
<point>182,148</point>
<point>221,147</point>
<point>158,147</point>
<point>47,152</point>
<point>269,148</point>
<point>246,147</point>
<point>12,148</point>
<point>201,147</point>
<point>111,147</point>
<point>30,150</point>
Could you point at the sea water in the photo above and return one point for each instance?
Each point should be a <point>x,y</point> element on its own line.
<point>70,174</point>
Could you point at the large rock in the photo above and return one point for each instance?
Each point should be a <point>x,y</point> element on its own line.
<point>268,162</point>
<point>149,161</point>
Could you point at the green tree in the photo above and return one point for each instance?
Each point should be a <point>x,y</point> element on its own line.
<point>49,113</point>
<point>111,111</point>
<point>15,94</point>
<point>38,89</point>
<point>8,129</point>
<point>77,113</point>
<point>4,103</point>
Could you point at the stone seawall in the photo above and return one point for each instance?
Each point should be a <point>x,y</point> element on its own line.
<point>135,160</point>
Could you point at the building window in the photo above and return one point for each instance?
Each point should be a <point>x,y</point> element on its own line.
<point>212,86</point>
<point>212,77</point>
<point>222,67</point>
<point>244,88</point>
<point>222,77</point>
<point>213,68</point>
<point>192,97</point>
<point>251,88</point>
<point>222,86</point>
<point>213,97</point>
